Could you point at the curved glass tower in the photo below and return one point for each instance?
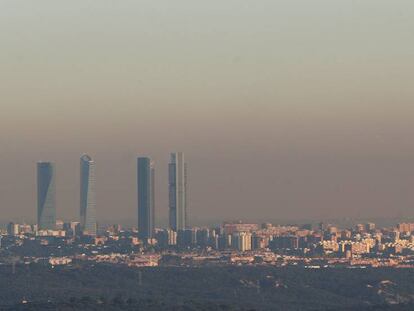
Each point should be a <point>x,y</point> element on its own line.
<point>46,196</point>
<point>87,195</point>
<point>177,175</point>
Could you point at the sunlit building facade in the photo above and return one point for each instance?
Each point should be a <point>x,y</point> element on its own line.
<point>177,172</point>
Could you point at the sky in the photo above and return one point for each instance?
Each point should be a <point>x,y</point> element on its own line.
<point>285,109</point>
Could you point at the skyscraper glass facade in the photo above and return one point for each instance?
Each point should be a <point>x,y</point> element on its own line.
<point>146,193</point>
<point>177,172</point>
<point>87,196</point>
<point>46,196</point>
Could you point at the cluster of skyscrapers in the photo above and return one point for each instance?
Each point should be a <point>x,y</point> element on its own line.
<point>46,196</point>
<point>177,172</point>
<point>177,180</point>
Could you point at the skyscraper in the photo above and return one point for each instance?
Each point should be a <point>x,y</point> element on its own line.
<point>87,195</point>
<point>46,196</point>
<point>177,172</point>
<point>145,187</point>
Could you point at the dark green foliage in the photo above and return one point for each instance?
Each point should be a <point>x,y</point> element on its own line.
<point>110,287</point>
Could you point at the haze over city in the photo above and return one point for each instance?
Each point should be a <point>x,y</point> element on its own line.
<point>284,109</point>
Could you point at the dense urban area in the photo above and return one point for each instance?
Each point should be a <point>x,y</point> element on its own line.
<point>237,266</point>
<point>62,243</point>
<point>78,265</point>
<point>233,243</point>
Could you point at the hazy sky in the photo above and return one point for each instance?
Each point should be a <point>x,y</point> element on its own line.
<point>284,109</point>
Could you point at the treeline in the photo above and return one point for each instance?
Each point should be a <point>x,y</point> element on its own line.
<point>113,287</point>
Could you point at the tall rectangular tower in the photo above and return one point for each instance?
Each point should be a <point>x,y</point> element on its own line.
<point>46,196</point>
<point>146,198</point>
<point>87,196</point>
<point>177,172</point>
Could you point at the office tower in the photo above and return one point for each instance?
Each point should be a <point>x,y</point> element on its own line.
<point>46,196</point>
<point>87,195</point>
<point>145,184</point>
<point>177,172</point>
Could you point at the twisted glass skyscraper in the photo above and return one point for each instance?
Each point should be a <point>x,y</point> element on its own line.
<point>177,172</point>
<point>145,183</point>
<point>87,195</point>
<point>46,196</point>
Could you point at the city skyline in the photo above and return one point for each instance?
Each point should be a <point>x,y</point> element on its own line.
<point>287,110</point>
<point>46,177</point>
<point>207,155</point>
<point>145,172</point>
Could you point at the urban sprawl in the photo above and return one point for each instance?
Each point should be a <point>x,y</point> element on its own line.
<point>55,242</point>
